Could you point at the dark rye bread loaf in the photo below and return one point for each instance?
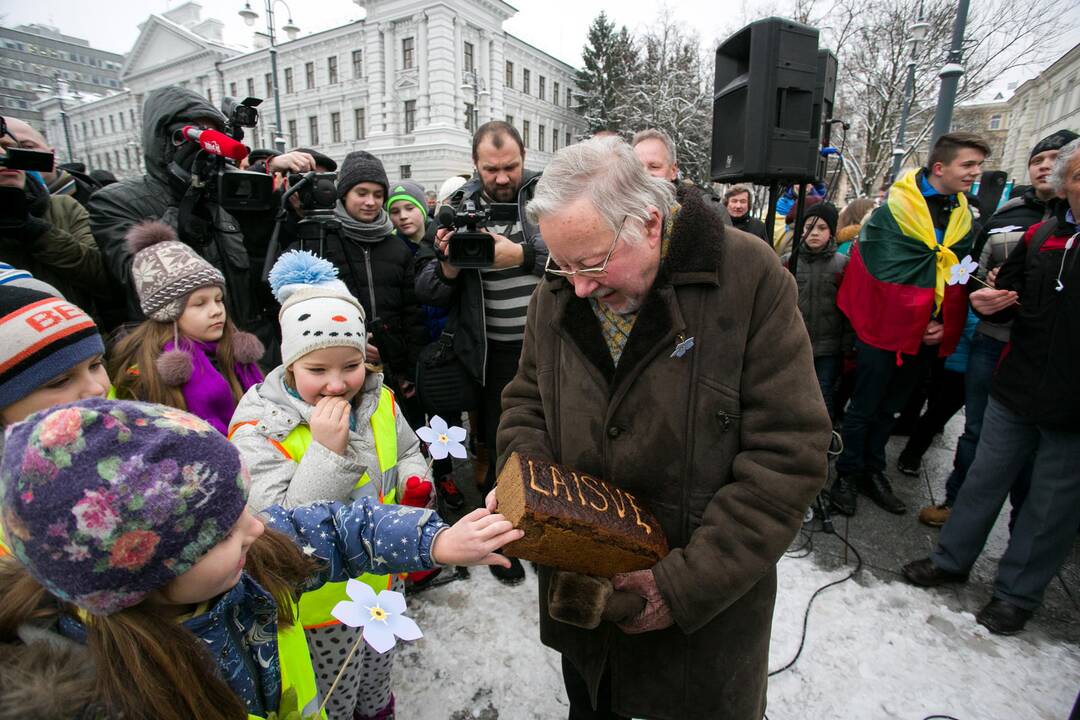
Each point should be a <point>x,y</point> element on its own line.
<point>576,522</point>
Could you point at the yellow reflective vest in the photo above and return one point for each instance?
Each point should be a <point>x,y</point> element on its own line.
<point>315,606</point>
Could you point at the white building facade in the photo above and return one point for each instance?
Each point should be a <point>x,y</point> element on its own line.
<point>408,83</point>
<point>1043,105</point>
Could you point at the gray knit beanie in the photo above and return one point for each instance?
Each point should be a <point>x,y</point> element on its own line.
<point>360,166</point>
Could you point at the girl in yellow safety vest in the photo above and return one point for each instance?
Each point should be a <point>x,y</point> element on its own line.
<point>140,586</point>
<point>322,427</point>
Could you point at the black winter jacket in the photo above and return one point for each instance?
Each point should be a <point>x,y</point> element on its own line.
<point>218,235</point>
<point>464,294</point>
<point>1001,233</point>
<point>1037,375</point>
<point>818,276</point>
<point>751,225</point>
<point>380,275</point>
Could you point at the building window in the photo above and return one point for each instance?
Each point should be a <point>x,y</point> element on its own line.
<point>995,122</point>
<point>357,64</point>
<point>405,172</point>
<point>542,87</point>
<point>540,138</point>
<point>121,116</point>
<point>331,69</point>
<point>509,119</point>
<point>293,141</point>
<point>335,127</point>
<point>210,95</point>
<point>408,51</point>
<point>127,158</point>
<point>469,63</point>
<point>269,80</point>
<point>469,110</point>
<point>251,87</point>
<point>525,133</point>
<point>569,98</point>
<point>309,75</point>
<point>526,77</point>
<point>108,162</point>
<point>288,80</point>
<point>555,93</point>
<point>509,74</point>
<point>410,116</point>
<point>132,112</point>
<point>116,156</point>
<point>112,124</point>
<point>554,139</point>
<point>84,129</point>
<point>232,89</point>
<point>313,129</point>
<point>359,121</point>
<point>568,139</point>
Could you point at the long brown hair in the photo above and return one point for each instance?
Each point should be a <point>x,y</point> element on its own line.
<point>133,364</point>
<point>149,667</point>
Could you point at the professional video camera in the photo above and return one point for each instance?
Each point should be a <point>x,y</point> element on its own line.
<point>234,189</point>
<point>468,247</point>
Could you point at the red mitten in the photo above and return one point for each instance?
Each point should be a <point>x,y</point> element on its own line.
<point>417,492</point>
<point>656,615</point>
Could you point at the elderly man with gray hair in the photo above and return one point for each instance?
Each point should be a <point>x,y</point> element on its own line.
<point>1034,409</point>
<point>665,353</point>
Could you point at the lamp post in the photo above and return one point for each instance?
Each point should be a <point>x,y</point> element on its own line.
<point>59,88</point>
<point>950,75</point>
<point>916,33</point>
<point>291,30</point>
<point>471,80</point>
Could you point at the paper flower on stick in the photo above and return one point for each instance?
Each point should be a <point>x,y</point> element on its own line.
<point>960,273</point>
<point>443,440</point>
<point>381,617</point>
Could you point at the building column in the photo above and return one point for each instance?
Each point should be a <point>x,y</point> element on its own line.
<point>389,111</point>
<point>423,102</point>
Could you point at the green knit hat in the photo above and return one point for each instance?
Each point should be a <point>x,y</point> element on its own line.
<point>412,192</point>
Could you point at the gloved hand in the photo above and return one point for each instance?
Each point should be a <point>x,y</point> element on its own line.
<point>584,601</point>
<point>656,615</point>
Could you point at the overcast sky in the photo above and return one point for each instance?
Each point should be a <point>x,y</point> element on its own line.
<point>558,27</point>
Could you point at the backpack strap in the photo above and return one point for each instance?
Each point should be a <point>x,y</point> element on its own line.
<point>1042,234</point>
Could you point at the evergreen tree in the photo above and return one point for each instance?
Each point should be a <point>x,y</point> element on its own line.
<point>610,58</point>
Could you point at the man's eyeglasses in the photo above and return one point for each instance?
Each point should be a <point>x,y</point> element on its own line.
<point>591,272</point>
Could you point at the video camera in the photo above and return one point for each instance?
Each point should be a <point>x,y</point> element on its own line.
<point>233,188</point>
<point>16,158</point>
<point>468,247</point>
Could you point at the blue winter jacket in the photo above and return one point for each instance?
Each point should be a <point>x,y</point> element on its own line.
<point>240,628</point>
<point>958,361</point>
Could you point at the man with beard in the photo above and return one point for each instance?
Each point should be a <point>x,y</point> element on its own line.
<point>223,237</point>
<point>488,306</point>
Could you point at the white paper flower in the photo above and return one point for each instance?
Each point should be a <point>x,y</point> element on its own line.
<point>381,617</point>
<point>443,440</point>
<point>960,273</point>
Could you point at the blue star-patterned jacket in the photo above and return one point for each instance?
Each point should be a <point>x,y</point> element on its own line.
<point>240,628</point>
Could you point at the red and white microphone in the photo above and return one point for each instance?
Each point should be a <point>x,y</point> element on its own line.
<point>214,142</point>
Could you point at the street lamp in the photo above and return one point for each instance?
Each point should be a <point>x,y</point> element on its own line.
<point>291,31</point>
<point>471,80</point>
<point>950,76</point>
<point>63,113</point>
<point>916,34</point>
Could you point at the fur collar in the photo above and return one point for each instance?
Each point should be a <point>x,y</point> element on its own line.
<point>693,258</point>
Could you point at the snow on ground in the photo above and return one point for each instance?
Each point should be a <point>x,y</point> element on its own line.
<point>875,649</point>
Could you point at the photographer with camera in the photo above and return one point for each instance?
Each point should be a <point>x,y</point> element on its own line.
<point>47,235</point>
<point>358,238</point>
<point>187,187</point>
<point>487,304</point>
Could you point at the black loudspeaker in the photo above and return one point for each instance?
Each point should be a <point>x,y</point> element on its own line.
<point>991,186</point>
<point>763,104</point>
<point>824,95</point>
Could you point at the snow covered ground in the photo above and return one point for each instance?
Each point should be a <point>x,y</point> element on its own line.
<point>875,649</point>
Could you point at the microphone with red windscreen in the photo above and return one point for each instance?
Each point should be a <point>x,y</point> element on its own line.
<point>214,142</point>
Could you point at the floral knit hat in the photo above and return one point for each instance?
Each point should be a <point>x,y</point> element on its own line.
<point>106,501</point>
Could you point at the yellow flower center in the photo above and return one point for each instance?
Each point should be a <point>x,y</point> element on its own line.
<point>444,439</point>
<point>377,613</point>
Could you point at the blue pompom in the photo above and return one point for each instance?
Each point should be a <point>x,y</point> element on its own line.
<point>300,267</point>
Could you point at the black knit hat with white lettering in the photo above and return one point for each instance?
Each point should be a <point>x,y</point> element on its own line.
<point>41,338</point>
